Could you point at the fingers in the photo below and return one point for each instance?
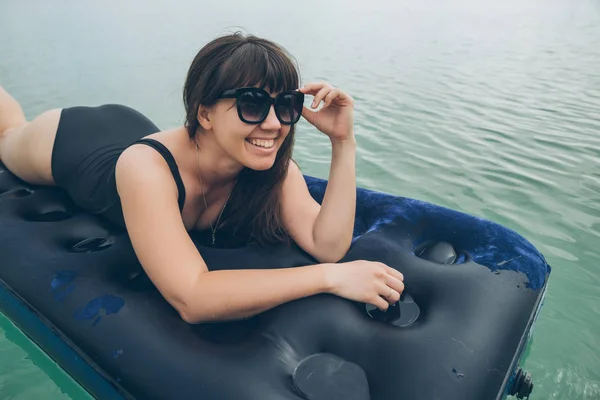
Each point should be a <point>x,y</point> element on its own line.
<point>391,285</point>
<point>320,95</point>
<point>309,115</point>
<point>396,284</point>
<point>380,303</point>
<point>395,273</point>
<point>325,92</point>
<point>314,87</point>
<point>331,96</point>
<point>389,294</point>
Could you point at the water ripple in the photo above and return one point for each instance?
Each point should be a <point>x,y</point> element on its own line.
<point>486,107</point>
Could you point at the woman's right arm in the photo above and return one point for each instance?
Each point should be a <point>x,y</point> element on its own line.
<point>172,261</point>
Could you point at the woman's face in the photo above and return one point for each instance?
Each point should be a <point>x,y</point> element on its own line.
<point>253,145</point>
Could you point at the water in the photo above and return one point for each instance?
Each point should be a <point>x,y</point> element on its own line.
<point>491,109</point>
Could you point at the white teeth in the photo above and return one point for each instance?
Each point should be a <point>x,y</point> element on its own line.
<point>262,143</point>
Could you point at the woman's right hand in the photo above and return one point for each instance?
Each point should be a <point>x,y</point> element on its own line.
<point>365,281</point>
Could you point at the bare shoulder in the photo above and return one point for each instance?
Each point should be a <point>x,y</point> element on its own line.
<point>140,162</point>
<point>294,174</point>
<point>295,187</point>
<point>140,168</point>
<point>159,238</point>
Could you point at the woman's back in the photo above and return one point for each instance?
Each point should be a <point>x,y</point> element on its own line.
<point>88,143</point>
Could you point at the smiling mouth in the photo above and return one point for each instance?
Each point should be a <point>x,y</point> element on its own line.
<point>264,143</point>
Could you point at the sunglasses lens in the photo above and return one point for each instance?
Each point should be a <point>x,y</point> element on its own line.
<point>253,105</point>
<point>289,107</point>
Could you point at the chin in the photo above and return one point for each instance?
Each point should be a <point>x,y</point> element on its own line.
<point>260,165</point>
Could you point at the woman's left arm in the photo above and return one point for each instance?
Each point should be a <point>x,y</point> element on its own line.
<point>325,231</point>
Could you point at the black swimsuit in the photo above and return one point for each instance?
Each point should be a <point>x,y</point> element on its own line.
<point>89,141</point>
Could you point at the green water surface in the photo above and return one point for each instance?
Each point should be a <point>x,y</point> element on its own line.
<point>491,108</point>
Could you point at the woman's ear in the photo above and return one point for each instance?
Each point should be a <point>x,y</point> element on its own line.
<point>204,118</point>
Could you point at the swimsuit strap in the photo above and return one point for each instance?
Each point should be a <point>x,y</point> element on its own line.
<point>158,146</point>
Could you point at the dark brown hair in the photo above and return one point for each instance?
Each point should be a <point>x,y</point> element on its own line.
<point>228,62</point>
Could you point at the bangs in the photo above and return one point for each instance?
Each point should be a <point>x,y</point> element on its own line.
<point>253,64</point>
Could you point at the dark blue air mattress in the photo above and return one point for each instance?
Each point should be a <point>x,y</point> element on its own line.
<point>473,289</point>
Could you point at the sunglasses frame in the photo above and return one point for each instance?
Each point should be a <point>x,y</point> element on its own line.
<point>237,93</point>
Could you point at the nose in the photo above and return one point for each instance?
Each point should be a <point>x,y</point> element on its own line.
<point>271,122</point>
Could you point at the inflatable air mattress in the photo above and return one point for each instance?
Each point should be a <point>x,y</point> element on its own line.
<point>72,284</point>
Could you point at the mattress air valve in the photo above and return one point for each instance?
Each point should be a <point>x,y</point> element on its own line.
<point>522,385</point>
<point>402,313</point>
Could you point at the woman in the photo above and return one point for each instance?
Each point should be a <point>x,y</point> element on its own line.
<point>234,152</point>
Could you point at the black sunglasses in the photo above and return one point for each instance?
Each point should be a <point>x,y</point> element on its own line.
<point>253,104</point>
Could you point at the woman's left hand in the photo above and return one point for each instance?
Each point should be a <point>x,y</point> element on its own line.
<point>336,117</point>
